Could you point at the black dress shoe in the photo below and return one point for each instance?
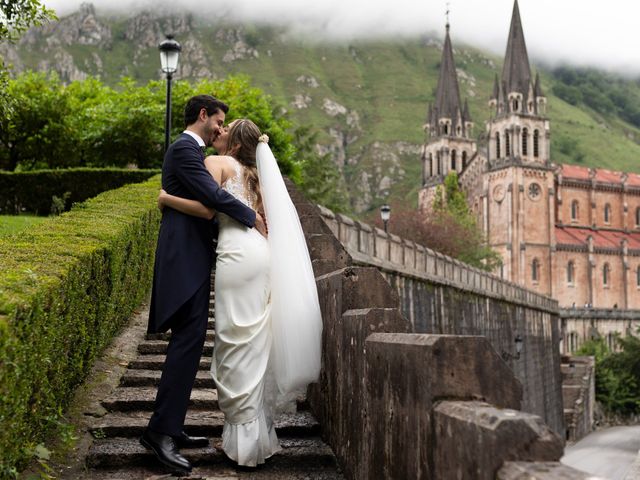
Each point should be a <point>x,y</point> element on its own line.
<point>185,441</point>
<point>166,451</point>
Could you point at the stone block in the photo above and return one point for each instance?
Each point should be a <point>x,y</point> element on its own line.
<point>326,247</point>
<point>504,435</point>
<point>342,408</point>
<point>406,375</point>
<point>542,471</point>
<point>314,224</point>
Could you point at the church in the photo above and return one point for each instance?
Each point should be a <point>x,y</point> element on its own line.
<point>567,231</point>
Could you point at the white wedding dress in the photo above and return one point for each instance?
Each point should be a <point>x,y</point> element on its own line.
<point>243,342</point>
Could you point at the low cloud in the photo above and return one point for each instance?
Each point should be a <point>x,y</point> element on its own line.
<point>579,32</point>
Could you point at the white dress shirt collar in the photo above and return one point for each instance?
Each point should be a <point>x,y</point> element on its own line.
<point>196,137</point>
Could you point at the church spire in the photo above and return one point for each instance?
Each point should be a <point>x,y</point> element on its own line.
<point>447,112</point>
<point>516,74</point>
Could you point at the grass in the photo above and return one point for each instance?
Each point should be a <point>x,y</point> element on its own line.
<point>10,224</point>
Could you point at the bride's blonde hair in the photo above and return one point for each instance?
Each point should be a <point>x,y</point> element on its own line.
<point>241,143</point>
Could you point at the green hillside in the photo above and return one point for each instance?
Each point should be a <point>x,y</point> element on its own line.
<point>367,99</point>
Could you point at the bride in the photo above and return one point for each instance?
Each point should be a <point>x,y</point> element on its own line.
<point>254,353</point>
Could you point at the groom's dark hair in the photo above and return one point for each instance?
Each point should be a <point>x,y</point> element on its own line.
<point>197,103</point>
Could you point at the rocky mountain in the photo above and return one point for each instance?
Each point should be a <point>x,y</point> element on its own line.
<point>367,99</point>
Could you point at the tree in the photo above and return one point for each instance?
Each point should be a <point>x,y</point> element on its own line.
<point>16,16</point>
<point>617,373</point>
<point>448,228</point>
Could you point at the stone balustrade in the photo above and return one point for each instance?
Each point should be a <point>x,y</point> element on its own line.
<point>374,247</point>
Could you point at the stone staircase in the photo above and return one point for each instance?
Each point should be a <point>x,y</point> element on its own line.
<point>117,454</point>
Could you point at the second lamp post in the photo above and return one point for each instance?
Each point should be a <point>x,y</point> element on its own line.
<point>169,54</point>
<point>385,214</point>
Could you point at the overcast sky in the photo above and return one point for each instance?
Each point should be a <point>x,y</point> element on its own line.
<point>582,32</point>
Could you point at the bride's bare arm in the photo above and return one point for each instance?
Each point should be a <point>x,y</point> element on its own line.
<point>188,207</point>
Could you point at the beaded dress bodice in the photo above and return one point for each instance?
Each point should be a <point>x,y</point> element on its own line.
<point>235,185</point>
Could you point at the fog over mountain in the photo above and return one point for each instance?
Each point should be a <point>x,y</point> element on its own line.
<point>579,32</point>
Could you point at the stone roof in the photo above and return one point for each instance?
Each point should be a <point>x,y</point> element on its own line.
<point>516,74</point>
<point>447,99</point>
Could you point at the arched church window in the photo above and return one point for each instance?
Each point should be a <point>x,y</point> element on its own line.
<point>536,141</point>
<point>464,160</point>
<point>525,141</point>
<point>438,161</point>
<point>606,273</point>
<point>459,130</point>
<point>573,342</point>
<point>497,145</point>
<point>454,159</point>
<point>530,107</point>
<point>515,105</point>
<point>638,217</point>
<point>607,213</point>
<point>535,270</point>
<point>445,128</point>
<point>574,210</point>
<point>570,271</point>
<point>507,144</point>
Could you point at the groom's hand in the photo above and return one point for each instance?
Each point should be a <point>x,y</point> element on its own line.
<point>261,225</point>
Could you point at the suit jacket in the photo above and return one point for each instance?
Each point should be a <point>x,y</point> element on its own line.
<point>184,252</point>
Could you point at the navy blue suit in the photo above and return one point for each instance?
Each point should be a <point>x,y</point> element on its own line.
<point>182,273</point>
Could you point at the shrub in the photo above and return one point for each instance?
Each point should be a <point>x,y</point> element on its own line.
<point>66,287</point>
<point>34,191</point>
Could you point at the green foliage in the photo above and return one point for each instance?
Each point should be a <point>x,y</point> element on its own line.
<point>10,224</point>
<point>66,287</point>
<point>458,234</point>
<point>321,179</point>
<point>617,373</point>
<point>16,16</point>
<point>34,191</point>
<point>89,124</point>
<point>606,93</point>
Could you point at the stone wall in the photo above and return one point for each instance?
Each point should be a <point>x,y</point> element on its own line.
<point>579,395</point>
<point>441,295</point>
<point>396,404</point>
<point>578,325</point>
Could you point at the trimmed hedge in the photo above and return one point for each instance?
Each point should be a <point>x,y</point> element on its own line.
<point>66,286</point>
<point>33,191</point>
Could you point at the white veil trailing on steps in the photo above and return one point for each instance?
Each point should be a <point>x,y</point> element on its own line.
<point>295,312</point>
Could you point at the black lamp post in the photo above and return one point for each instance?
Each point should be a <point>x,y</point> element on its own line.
<point>519,341</point>
<point>385,214</point>
<point>169,54</point>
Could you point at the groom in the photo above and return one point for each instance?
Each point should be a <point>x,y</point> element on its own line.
<point>182,276</point>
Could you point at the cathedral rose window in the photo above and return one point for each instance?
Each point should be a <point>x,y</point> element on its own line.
<point>534,191</point>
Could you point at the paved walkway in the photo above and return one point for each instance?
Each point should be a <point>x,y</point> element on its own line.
<point>609,453</point>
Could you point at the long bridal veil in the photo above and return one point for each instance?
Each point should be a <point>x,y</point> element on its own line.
<point>296,319</point>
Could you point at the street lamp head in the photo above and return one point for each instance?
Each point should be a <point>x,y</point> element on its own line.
<point>169,53</point>
<point>385,212</point>
<point>519,342</point>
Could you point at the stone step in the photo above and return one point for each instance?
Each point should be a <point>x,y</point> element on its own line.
<point>206,423</point>
<point>221,471</point>
<point>151,378</point>
<point>167,335</point>
<point>127,452</point>
<point>124,399</point>
<point>156,361</point>
<point>160,346</point>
